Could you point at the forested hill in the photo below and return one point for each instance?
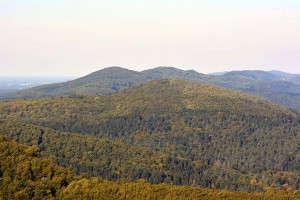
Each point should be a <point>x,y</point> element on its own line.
<point>169,131</point>
<point>281,88</point>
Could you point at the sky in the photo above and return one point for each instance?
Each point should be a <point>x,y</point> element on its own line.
<point>75,38</point>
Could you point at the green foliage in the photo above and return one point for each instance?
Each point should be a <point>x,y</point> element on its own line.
<point>24,174</point>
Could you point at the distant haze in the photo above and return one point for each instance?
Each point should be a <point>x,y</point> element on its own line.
<point>75,37</point>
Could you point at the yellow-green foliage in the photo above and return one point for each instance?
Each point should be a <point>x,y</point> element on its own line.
<point>24,174</point>
<point>97,189</point>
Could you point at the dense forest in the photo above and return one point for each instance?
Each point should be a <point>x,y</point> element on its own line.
<point>278,87</point>
<point>25,174</point>
<point>166,131</point>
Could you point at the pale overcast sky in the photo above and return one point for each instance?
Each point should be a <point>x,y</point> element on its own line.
<point>72,37</point>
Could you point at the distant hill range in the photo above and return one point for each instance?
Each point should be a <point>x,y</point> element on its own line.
<point>279,87</point>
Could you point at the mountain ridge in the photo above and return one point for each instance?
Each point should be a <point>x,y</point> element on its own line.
<point>285,92</point>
